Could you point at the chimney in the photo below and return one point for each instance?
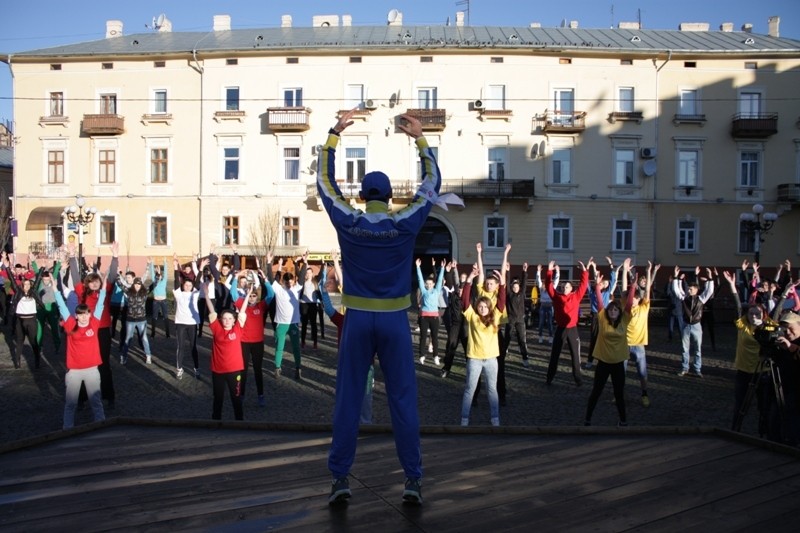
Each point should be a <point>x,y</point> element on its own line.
<point>347,20</point>
<point>222,22</point>
<point>113,28</point>
<point>459,18</point>
<point>323,21</point>
<point>774,22</point>
<point>286,21</point>
<point>693,26</point>
<point>629,26</point>
<point>726,26</point>
<point>573,24</point>
<point>536,24</point>
<point>747,27</point>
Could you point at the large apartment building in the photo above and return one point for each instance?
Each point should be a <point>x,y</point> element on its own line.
<point>568,142</point>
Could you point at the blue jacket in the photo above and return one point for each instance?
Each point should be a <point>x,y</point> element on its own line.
<point>429,299</point>
<point>377,243</point>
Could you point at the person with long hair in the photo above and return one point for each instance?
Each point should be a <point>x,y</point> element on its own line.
<point>483,348</point>
<point>136,295</point>
<point>187,318</point>
<point>25,304</point>
<point>611,350</point>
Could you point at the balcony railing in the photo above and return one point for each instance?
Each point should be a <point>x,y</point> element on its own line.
<point>757,125</point>
<point>630,116</point>
<point>560,121</point>
<point>789,192</point>
<point>288,118</point>
<point>103,124</point>
<point>431,119</point>
<point>464,188</point>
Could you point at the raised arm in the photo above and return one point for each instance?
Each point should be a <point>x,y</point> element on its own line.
<point>479,251</point>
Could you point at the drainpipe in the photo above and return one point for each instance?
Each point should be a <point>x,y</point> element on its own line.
<point>200,70</point>
<point>655,140</point>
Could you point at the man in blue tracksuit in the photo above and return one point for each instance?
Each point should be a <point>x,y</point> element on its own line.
<point>377,249</point>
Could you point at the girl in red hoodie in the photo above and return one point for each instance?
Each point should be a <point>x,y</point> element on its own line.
<point>566,311</point>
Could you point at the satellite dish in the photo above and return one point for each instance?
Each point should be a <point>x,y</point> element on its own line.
<point>392,16</point>
<point>160,21</point>
<point>649,167</point>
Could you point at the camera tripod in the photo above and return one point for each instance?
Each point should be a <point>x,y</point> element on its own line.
<point>765,366</point>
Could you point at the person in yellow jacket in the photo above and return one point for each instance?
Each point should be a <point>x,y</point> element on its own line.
<point>638,327</point>
<point>611,350</point>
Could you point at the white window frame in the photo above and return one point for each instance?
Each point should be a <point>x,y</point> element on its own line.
<point>563,108</point>
<point>283,230</point>
<point>617,232</point>
<point>111,143</point>
<point>626,103</point>
<point>348,160</point>
<point>621,165</point>
<point>60,144</point>
<point>495,232</point>
<point>98,227</point>
<point>689,106</point>
<point>427,97</point>
<point>158,142</point>
<point>293,92</point>
<point>684,146</point>
<point>695,230</point>
<point>149,229</point>
<point>561,159</point>
<point>496,96</point>
<point>757,149</point>
<point>155,103</point>
<point>49,104</point>
<point>229,141</point>
<point>551,232</point>
<point>750,102</point>
<point>223,229</point>
<point>351,99</point>
<point>285,159</point>
<point>688,168</point>
<point>100,108</point>
<point>226,102</point>
<point>497,163</point>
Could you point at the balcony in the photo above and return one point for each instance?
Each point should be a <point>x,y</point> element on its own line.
<point>496,114</point>
<point>560,122</point>
<point>288,118</point>
<point>754,125</point>
<point>689,119</point>
<point>157,118</point>
<point>54,120</point>
<point>508,189</point>
<point>431,119</point>
<point>103,124</point>
<point>789,192</point>
<point>625,116</point>
<point>230,114</point>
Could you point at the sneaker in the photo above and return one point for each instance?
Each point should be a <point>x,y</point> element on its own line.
<point>697,374</point>
<point>622,424</point>
<point>422,360</point>
<point>464,422</point>
<point>340,491</point>
<point>436,361</point>
<point>261,401</point>
<point>646,401</point>
<point>412,494</point>
<point>197,373</point>
<point>495,421</point>
<point>123,359</point>
<point>541,340</point>
<point>445,373</point>
<point>179,375</point>
<point>149,360</point>
<point>430,347</point>
<point>550,341</point>
<point>683,373</point>
<point>277,373</point>
<point>297,375</point>
<point>526,363</point>
<point>589,365</point>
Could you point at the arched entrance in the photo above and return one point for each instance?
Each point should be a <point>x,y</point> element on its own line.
<point>435,241</point>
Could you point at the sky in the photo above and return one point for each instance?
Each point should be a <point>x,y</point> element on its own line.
<point>34,24</point>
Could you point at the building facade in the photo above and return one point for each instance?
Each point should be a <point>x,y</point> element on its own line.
<point>571,143</point>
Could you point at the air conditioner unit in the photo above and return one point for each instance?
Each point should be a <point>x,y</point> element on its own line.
<point>649,152</point>
<point>370,104</point>
<point>478,104</point>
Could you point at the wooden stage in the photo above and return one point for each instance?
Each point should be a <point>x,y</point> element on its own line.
<point>141,475</point>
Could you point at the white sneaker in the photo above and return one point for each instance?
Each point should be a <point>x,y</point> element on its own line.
<point>430,347</point>
<point>436,360</point>
<point>422,360</point>
<point>495,421</point>
<point>541,340</point>
<point>123,359</point>
<point>179,375</point>
<point>197,372</point>
<point>464,422</point>
<point>149,360</point>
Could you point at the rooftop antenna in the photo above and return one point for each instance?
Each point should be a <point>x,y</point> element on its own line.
<point>392,16</point>
<point>612,16</point>
<point>466,10</point>
<point>158,21</point>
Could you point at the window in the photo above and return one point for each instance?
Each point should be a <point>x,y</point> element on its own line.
<point>57,104</point>
<point>231,158</point>
<point>690,64</point>
<point>625,102</point>
<point>107,66</point>
<point>427,98</point>
<point>623,236</point>
<point>231,98</point>
<point>160,101</point>
<point>687,236</point>
<point>560,233</point>
<point>231,61</point>
<point>355,59</point>
<point>158,231</point>
<point>355,164</point>
<point>688,104</point>
<point>292,60</point>
<point>495,232</point>
<point>108,229</point>
<point>747,238</point>
<point>159,64</point>
<point>749,166</point>
<point>623,166</point>
<point>562,172</point>
<point>108,104</point>
<point>435,150</point>
<point>564,106</point>
<point>230,230</point>
<point>107,160</point>
<point>291,231</point>
<point>749,104</point>
<point>687,168</point>
<point>291,163</point>
<point>564,61</point>
<point>498,159</point>
<point>55,166</point>
<point>354,97</point>
<point>158,165</point>
<point>293,97</point>
<point>626,61</point>
<point>55,66</point>
<point>495,59</point>
<point>750,65</point>
<point>496,97</point>
<point>426,59</point>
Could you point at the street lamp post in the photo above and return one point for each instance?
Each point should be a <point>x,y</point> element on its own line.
<point>758,222</point>
<point>78,213</point>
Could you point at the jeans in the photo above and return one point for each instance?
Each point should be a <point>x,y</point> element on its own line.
<point>637,355</point>
<point>546,317</point>
<point>474,369</point>
<point>692,334</point>
<point>90,378</point>
<point>141,327</point>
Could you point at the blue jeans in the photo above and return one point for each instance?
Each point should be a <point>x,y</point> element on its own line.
<point>637,355</point>
<point>692,339</point>
<point>546,317</point>
<point>130,327</point>
<point>474,369</point>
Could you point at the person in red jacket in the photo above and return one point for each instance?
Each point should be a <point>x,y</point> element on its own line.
<point>227,362</point>
<point>83,356</point>
<point>566,311</point>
